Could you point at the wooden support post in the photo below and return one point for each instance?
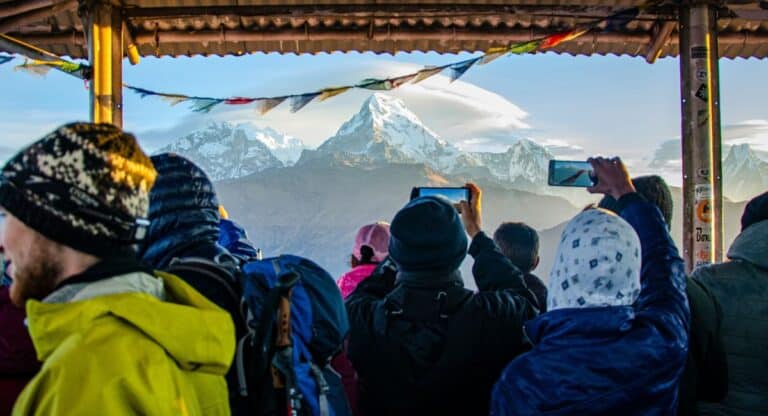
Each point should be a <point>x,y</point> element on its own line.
<point>105,51</point>
<point>702,172</point>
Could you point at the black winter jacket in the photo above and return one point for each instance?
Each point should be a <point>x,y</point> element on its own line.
<point>423,344</point>
<point>706,373</point>
<point>183,214</point>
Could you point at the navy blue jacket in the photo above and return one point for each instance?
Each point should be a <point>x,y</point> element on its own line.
<point>183,214</point>
<point>234,238</point>
<point>611,360</point>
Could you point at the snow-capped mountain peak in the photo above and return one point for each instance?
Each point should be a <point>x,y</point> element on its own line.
<point>384,130</point>
<point>529,161</point>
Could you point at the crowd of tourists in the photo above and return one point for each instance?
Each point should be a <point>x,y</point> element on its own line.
<point>128,290</point>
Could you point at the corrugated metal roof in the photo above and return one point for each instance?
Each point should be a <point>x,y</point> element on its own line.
<point>235,27</point>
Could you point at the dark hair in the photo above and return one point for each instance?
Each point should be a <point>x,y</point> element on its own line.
<point>519,243</point>
<point>654,189</point>
<point>755,211</point>
<point>366,255</point>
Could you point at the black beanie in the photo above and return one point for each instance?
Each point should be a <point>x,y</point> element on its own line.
<point>427,236</point>
<point>755,211</point>
<point>84,185</point>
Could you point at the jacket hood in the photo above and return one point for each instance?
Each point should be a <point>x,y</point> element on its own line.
<point>194,331</point>
<point>183,213</point>
<point>751,245</point>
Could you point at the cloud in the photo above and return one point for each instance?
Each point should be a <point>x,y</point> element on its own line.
<point>457,111</point>
<point>667,156</point>
<point>561,148</point>
<point>752,132</point>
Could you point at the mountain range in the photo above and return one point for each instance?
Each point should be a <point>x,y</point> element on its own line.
<point>310,202</point>
<point>383,132</point>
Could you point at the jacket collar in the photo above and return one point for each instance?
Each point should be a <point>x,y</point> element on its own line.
<point>105,268</point>
<point>564,327</point>
<point>430,279</point>
<point>190,328</point>
<point>111,275</point>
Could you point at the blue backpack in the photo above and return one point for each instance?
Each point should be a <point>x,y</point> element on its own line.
<point>296,323</point>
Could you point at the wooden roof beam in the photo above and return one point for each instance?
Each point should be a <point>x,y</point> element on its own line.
<point>660,39</point>
<point>23,6</point>
<point>19,20</point>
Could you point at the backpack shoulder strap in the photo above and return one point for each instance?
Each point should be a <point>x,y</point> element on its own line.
<point>425,305</point>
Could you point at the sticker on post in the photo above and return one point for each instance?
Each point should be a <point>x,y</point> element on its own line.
<point>702,117</point>
<point>699,52</point>
<point>701,93</point>
<point>702,192</point>
<point>704,211</point>
<point>702,235</point>
<point>701,74</point>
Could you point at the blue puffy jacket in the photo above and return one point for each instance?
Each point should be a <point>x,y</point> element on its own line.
<point>234,238</point>
<point>183,213</point>
<point>611,360</point>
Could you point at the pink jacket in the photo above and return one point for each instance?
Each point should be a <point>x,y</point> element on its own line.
<point>352,278</point>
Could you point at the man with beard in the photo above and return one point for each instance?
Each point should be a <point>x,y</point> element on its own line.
<point>114,337</point>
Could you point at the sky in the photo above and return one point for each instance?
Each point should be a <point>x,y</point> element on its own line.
<point>576,106</point>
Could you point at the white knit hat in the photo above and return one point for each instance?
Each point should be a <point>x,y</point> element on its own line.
<point>597,263</point>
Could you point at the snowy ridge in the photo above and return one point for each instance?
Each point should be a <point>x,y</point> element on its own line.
<point>383,132</point>
<point>227,152</point>
<point>284,147</point>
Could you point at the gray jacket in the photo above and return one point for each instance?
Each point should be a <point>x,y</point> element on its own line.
<point>741,287</point>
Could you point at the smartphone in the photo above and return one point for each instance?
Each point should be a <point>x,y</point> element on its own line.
<point>571,173</point>
<point>454,195</point>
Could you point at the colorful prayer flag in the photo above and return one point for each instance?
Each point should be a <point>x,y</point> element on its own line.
<point>263,105</point>
<point>239,100</point>
<point>31,67</point>
<point>375,84</point>
<point>525,47</point>
<point>332,92</point>
<point>204,105</point>
<point>173,99</point>
<point>299,101</point>
<point>554,40</point>
<point>399,81</point>
<point>456,70</point>
<point>427,72</point>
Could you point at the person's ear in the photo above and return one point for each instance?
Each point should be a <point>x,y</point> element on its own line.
<point>535,263</point>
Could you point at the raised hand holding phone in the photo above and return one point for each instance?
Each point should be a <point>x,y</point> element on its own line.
<point>472,211</point>
<point>612,177</point>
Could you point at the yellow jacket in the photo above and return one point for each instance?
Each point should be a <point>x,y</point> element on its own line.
<point>130,354</point>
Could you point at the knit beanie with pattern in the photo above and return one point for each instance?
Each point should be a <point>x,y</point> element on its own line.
<point>597,263</point>
<point>83,185</point>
